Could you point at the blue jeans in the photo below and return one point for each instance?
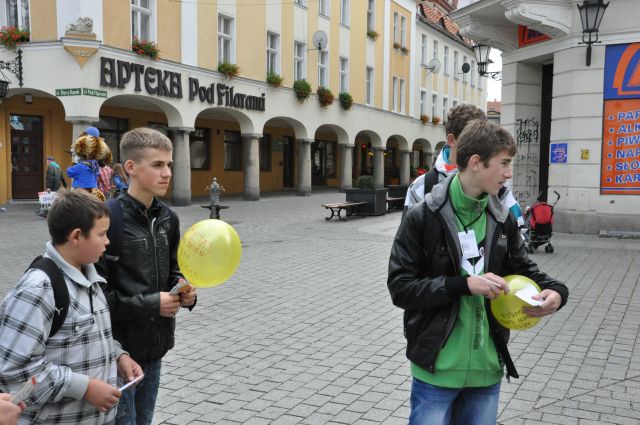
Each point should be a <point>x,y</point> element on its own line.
<point>139,401</point>
<point>431,405</point>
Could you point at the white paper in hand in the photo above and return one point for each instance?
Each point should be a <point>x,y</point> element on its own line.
<point>176,288</point>
<point>130,383</point>
<point>526,293</point>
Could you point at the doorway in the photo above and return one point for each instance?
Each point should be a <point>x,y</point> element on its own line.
<point>288,155</point>
<point>27,177</point>
<point>545,130</point>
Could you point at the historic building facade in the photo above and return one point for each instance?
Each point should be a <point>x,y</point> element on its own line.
<point>577,125</point>
<point>79,69</point>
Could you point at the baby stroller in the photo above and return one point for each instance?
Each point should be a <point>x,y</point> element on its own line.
<point>539,221</point>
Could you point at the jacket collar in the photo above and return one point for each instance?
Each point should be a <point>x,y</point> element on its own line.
<point>439,195</point>
<point>139,206</point>
<point>85,279</point>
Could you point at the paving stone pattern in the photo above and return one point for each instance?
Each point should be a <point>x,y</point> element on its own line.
<point>305,331</point>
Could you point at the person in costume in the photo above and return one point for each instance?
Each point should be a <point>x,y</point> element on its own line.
<point>87,150</point>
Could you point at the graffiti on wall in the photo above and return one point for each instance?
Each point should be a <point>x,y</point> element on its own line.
<point>527,160</point>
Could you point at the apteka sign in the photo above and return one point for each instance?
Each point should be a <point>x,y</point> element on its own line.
<point>118,74</point>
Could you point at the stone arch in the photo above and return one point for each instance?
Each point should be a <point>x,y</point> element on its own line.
<point>365,142</point>
<point>285,154</point>
<point>421,154</point>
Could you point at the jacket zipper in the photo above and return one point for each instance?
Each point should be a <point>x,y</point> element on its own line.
<point>155,252</point>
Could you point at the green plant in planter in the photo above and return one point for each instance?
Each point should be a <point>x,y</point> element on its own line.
<point>396,45</point>
<point>346,100</point>
<point>229,69</point>
<point>436,120</point>
<point>365,182</point>
<point>274,79</point>
<point>372,34</point>
<point>325,97</point>
<point>425,119</point>
<point>11,36</point>
<point>404,50</point>
<point>302,88</point>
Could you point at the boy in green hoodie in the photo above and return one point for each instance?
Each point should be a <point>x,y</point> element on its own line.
<point>445,266</point>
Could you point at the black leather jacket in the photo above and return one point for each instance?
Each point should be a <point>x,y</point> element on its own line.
<point>147,265</point>
<point>424,273</point>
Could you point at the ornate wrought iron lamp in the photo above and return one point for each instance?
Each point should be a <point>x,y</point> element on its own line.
<point>481,52</point>
<point>14,66</point>
<point>591,13</point>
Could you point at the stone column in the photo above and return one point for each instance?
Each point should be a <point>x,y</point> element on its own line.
<point>378,167</point>
<point>346,167</point>
<point>181,185</point>
<point>405,160</point>
<point>304,167</point>
<point>251,165</point>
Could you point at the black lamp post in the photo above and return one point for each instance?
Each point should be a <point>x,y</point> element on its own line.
<point>591,12</point>
<point>14,66</point>
<point>481,52</point>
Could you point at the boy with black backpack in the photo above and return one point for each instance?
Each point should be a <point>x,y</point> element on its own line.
<point>55,324</point>
<point>445,164</point>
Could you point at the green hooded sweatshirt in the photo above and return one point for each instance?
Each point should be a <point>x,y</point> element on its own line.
<point>469,357</point>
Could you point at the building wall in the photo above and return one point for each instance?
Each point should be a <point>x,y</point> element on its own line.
<point>187,34</point>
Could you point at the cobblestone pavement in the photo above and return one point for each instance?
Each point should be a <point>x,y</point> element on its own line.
<point>305,331</point>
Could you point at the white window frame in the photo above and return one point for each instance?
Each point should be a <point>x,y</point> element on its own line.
<point>302,3</point>
<point>323,68</point>
<point>435,49</point>
<point>23,12</point>
<point>434,105</point>
<point>344,12</point>
<point>344,75</point>
<point>222,37</point>
<point>137,12</point>
<point>456,63</point>
<point>299,61</point>
<point>423,49</point>
<point>445,60</point>
<point>396,34</point>
<point>402,96</point>
<point>455,103</point>
<point>273,53</point>
<point>395,95</point>
<point>324,7</point>
<point>403,31</point>
<point>465,75</point>
<point>369,85</point>
<point>423,103</point>
<point>473,73</point>
<point>371,15</point>
<point>445,108</point>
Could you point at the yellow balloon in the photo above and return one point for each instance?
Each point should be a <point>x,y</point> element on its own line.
<point>209,253</point>
<point>507,308</point>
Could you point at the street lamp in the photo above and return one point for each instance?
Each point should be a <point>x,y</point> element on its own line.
<point>591,12</point>
<point>481,52</point>
<point>14,66</point>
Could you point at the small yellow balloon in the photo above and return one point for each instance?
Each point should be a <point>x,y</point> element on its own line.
<point>507,308</point>
<point>209,253</point>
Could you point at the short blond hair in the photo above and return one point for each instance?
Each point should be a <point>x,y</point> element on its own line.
<point>135,142</point>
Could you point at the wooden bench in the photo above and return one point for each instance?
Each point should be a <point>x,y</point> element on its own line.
<point>395,202</point>
<point>336,209</point>
<point>214,210</point>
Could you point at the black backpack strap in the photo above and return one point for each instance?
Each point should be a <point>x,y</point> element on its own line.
<point>115,234</point>
<point>60,290</point>
<point>431,179</point>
